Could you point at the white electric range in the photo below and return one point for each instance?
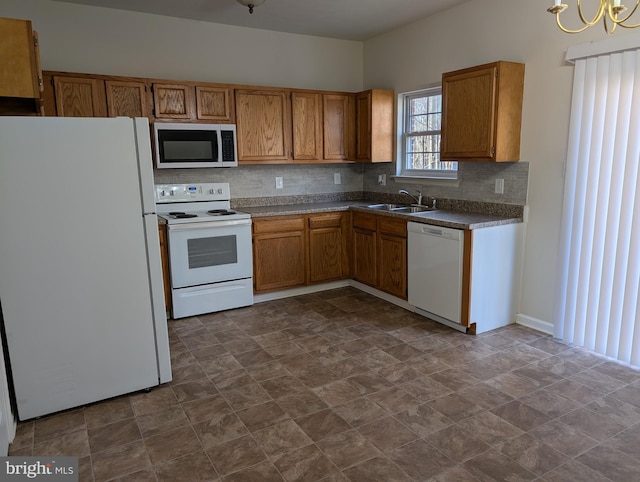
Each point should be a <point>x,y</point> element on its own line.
<point>209,245</point>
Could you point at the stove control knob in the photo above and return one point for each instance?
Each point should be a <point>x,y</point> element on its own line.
<point>220,191</point>
<point>212,191</point>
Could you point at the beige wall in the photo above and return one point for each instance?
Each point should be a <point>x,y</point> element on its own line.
<point>484,31</point>
<point>100,40</point>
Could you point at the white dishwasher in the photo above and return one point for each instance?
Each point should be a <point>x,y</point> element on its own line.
<point>435,272</point>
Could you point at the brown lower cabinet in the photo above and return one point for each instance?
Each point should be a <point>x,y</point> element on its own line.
<point>164,257</point>
<point>379,256</point>
<point>293,251</point>
<point>365,252</point>
<point>279,252</point>
<point>328,247</point>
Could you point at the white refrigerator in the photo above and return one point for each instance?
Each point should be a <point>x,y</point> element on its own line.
<point>80,271</point>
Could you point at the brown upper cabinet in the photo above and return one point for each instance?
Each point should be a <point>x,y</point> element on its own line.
<point>338,126</point>
<point>482,113</point>
<point>90,95</point>
<point>193,102</point>
<point>306,120</point>
<point>262,128</point>
<point>20,74</point>
<point>82,95</point>
<point>214,103</point>
<point>126,98</point>
<point>273,125</point>
<point>318,126</point>
<point>173,101</point>
<point>79,97</point>
<point>374,126</point>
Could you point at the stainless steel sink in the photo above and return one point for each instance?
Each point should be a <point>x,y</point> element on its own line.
<point>387,207</point>
<point>412,209</point>
<point>400,208</point>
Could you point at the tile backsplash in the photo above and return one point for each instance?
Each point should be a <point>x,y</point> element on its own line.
<point>257,181</point>
<point>476,181</point>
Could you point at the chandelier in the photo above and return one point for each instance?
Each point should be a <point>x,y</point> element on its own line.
<point>250,3</point>
<point>611,11</point>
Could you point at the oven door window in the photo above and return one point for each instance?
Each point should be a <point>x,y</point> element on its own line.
<point>213,251</point>
<point>198,256</point>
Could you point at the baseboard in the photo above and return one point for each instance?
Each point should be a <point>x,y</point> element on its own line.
<point>303,290</point>
<point>382,295</point>
<point>524,320</point>
<point>535,323</point>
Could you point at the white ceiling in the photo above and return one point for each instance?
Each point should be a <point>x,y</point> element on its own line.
<point>342,19</point>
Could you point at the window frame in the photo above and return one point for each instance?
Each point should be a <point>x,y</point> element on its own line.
<point>403,122</point>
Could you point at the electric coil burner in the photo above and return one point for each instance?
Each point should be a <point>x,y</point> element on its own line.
<point>220,212</point>
<point>176,215</point>
<point>209,244</point>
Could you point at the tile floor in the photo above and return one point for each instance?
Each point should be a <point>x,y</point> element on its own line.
<point>341,386</point>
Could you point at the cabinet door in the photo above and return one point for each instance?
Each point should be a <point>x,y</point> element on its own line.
<point>363,126</point>
<point>166,275</point>
<point>338,125</point>
<point>279,247</point>
<point>214,103</point>
<point>79,97</point>
<point>19,63</point>
<point>126,98</point>
<point>392,256</point>
<point>374,126</point>
<point>173,101</point>
<point>364,256</point>
<point>327,247</point>
<point>392,263</point>
<point>468,113</point>
<point>262,125</point>
<point>482,112</point>
<point>306,120</point>
<point>278,260</point>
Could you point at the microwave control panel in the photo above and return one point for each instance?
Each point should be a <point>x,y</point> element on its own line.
<point>228,145</point>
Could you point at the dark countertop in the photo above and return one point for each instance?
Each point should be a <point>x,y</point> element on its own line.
<point>439,217</point>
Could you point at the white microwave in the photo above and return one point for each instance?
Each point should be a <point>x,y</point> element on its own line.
<point>183,145</point>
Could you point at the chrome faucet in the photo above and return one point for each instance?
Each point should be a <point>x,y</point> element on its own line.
<point>418,199</point>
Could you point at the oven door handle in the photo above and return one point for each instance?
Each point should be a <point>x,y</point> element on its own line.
<point>209,225</point>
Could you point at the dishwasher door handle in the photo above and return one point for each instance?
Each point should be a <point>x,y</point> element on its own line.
<point>453,234</point>
<point>432,231</point>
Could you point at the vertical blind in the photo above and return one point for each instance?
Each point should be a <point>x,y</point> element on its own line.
<point>599,270</point>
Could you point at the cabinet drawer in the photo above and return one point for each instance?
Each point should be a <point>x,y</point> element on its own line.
<point>388,226</point>
<point>333,220</point>
<point>364,221</point>
<point>278,225</point>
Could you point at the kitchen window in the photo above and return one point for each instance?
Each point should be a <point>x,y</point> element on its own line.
<point>419,147</point>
